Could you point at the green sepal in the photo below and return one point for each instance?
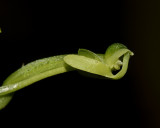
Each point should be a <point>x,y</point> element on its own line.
<point>88,64</point>
<point>89,54</point>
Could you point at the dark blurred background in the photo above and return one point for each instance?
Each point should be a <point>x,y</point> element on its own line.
<point>34,30</point>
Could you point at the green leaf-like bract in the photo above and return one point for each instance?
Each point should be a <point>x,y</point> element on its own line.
<point>116,57</point>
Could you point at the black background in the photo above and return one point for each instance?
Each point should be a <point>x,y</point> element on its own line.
<point>34,30</point>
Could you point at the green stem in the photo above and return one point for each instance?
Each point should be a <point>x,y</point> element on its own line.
<point>30,74</point>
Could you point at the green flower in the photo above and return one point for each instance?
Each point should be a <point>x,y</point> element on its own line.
<point>116,58</point>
